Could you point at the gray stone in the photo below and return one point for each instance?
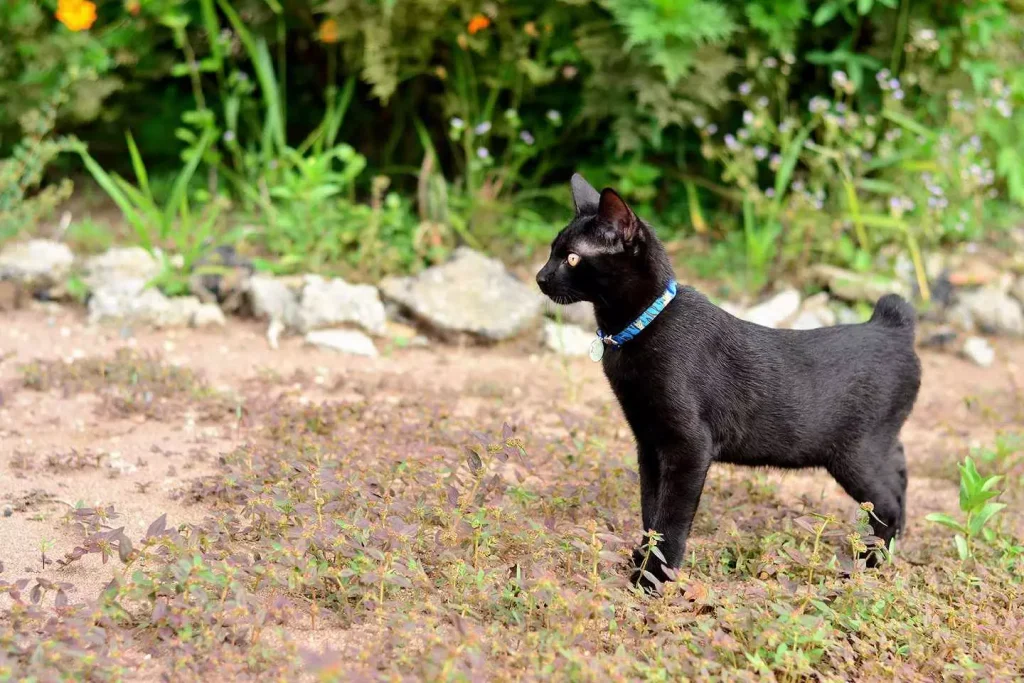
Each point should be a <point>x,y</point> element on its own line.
<point>128,301</point>
<point>978,350</point>
<point>208,315</point>
<point>814,313</point>
<point>346,341</point>
<point>991,309</point>
<point>8,511</point>
<point>567,340</point>
<point>325,303</point>
<point>775,311</point>
<point>36,264</point>
<point>121,263</point>
<point>470,294</point>
<point>1017,291</point>
<point>273,299</point>
<point>852,286</point>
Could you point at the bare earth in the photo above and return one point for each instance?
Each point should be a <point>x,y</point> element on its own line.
<point>138,463</point>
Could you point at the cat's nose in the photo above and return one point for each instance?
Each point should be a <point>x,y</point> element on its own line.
<point>543,276</point>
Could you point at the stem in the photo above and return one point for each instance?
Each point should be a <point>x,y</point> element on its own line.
<point>901,36</point>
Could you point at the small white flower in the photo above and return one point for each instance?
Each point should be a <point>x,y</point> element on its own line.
<point>457,123</point>
<point>748,117</point>
<point>482,128</point>
<point>482,152</point>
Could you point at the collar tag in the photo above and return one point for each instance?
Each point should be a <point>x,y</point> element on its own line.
<point>597,350</point>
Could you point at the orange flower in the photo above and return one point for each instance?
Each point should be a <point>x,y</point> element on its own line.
<point>531,29</point>
<point>133,7</point>
<point>478,23</point>
<point>77,15</point>
<point>328,32</point>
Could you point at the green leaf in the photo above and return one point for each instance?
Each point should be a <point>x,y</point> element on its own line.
<point>138,166</point>
<point>961,547</point>
<point>864,6</point>
<point>908,123</point>
<point>986,513</point>
<point>945,520</point>
<point>110,186</point>
<point>825,13</point>
<point>180,186</point>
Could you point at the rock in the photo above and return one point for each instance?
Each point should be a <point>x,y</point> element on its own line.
<point>118,465</point>
<point>978,350</point>
<point>273,299</point>
<point>8,511</point>
<point>118,264</point>
<point>346,341</point>
<point>846,315</point>
<point>36,264</point>
<point>568,340</point>
<point>332,302</point>
<point>1017,290</point>
<point>580,313</point>
<point>814,313</point>
<point>775,311</point>
<point>991,309</point>
<point>470,294</point>
<point>208,315</point>
<point>128,301</point>
<point>852,286</point>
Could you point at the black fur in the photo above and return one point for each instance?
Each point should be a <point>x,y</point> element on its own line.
<point>699,385</point>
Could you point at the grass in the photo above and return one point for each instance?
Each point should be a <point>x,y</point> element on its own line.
<point>420,548</point>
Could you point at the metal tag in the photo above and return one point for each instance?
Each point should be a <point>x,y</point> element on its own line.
<point>596,350</point>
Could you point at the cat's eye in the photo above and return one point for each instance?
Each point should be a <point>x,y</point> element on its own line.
<point>572,259</point>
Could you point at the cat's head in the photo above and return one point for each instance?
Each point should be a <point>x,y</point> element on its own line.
<point>604,249</point>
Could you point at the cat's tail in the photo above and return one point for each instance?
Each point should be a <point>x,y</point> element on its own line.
<point>894,312</point>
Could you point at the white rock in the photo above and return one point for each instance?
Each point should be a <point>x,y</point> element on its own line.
<point>471,294</point>
<point>273,299</point>
<point>1017,291</point>
<point>992,310</point>
<point>333,302</point>
<point>121,263</point>
<point>346,341</point>
<point>37,264</point>
<point>814,313</point>
<point>208,315</point>
<point>980,351</point>
<point>568,340</point>
<point>774,311</point>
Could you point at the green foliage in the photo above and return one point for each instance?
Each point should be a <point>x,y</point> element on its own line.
<point>976,502</point>
<point>171,226</point>
<point>476,114</point>
<point>22,203</point>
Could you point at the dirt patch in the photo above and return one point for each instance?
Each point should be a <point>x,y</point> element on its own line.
<point>417,489</point>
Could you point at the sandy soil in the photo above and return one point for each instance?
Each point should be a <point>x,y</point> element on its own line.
<point>137,464</point>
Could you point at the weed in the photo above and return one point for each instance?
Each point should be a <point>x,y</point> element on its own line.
<point>976,502</point>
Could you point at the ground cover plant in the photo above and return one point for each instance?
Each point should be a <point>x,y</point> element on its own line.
<point>421,543</point>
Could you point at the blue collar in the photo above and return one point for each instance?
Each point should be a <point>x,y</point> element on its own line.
<point>638,325</point>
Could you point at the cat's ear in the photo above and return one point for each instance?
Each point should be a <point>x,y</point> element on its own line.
<point>614,211</point>
<point>584,197</point>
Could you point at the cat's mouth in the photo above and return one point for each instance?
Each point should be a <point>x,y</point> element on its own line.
<point>564,299</point>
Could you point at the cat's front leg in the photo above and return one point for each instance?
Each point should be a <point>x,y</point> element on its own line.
<point>683,469</point>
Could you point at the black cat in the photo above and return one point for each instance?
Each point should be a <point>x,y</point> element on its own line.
<point>698,385</point>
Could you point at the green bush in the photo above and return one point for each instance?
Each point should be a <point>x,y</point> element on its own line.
<point>741,121</point>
